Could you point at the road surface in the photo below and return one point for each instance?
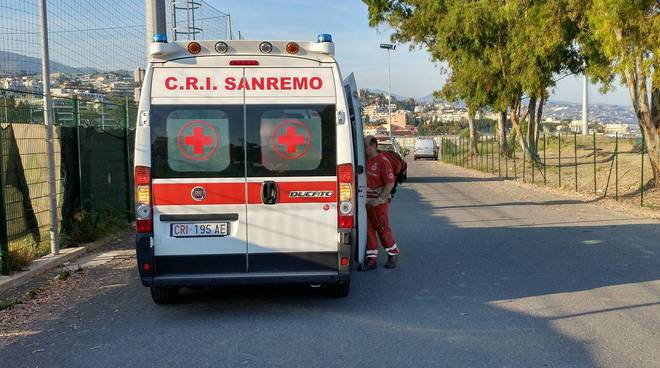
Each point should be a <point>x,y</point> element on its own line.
<point>491,275</point>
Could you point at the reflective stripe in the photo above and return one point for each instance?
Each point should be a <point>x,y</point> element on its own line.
<point>372,251</point>
<point>391,248</point>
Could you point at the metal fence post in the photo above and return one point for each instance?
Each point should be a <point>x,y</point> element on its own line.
<point>532,163</point>
<point>559,164</point>
<point>524,162</point>
<point>595,188</point>
<point>616,166</point>
<point>492,154</point>
<point>515,171</point>
<point>76,121</point>
<point>641,185</point>
<point>575,159</point>
<point>4,236</point>
<point>499,158</point>
<point>506,160</point>
<point>545,165</point>
<point>127,159</point>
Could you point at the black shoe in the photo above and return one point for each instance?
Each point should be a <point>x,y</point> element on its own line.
<point>369,265</point>
<point>391,261</point>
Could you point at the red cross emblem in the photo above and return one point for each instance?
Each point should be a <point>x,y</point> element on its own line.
<point>291,139</point>
<point>197,140</point>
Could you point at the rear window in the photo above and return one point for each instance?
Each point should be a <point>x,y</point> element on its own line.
<point>291,140</point>
<point>425,143</point>
<point>196,141</point>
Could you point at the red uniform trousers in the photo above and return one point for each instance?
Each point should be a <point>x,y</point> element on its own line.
<point>378,227</point>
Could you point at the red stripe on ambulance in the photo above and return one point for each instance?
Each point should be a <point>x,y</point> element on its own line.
<point>171,194</point>
<point>181,194</point>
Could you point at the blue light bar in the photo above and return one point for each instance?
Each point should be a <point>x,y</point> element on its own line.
<point>324,37</point>
<point>159,37</point>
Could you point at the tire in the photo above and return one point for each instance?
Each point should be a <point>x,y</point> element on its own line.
<point>339,289</point>
<point>164,295</point>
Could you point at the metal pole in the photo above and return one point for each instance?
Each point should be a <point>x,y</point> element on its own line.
<point>129,168</point>
<point>524,163</point>
<point>616,166</point>
<point>389,96</point>
<point>559,136</point>
<point>155,20</point>
<point>76,119</point>
<point>48,122</point>
<point>4,236</point>
<point>515,170</point>
<point>492,154</point>
<point>575,159</point>
<point>6,112</point>
<point>506,161</point>
<point>229,26</point>
<point>545,166</point>
<point>499,157</point>
<point>641,186</point>
<point>594,153</point>
<point>585,105</point>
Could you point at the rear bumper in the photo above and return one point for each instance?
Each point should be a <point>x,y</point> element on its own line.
<point>313,277</point>
<point>233,269</point>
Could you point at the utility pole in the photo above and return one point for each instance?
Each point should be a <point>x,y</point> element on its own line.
<point>389,47</point>
<point>229,26</point>
<point>48,122</point>
<point>585,105</point>
<point>155,20</point>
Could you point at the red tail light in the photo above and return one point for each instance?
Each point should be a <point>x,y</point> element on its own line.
<point>345,200</point>
<point>143,209</point>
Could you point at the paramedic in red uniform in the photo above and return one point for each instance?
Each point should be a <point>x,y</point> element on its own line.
<point>380,181</point>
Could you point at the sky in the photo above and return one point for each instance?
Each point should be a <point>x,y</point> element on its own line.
<point>357,45</point>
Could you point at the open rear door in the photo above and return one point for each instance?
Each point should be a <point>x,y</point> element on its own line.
<point>355,111</point>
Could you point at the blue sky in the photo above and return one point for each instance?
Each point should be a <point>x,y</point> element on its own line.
<point>357,45</point>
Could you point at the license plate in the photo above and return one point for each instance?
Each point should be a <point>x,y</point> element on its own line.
<point>205,229</point>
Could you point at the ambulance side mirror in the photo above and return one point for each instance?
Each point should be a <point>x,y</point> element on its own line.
<point>360,169</point>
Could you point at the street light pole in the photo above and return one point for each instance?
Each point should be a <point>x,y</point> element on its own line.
<point>389,47</point>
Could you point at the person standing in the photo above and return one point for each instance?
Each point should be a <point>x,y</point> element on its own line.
<point>380,181</point>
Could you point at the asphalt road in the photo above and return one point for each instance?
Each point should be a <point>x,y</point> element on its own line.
<point>491,275</point>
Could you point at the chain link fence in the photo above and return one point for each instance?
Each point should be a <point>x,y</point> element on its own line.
<point>93,156</point>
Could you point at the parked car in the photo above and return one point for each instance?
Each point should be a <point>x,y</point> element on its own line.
<point>425,148</point>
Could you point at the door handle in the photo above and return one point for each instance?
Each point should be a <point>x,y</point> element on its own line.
<point>269,192</point>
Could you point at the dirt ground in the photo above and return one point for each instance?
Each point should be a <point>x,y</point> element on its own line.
<point>48,296</point>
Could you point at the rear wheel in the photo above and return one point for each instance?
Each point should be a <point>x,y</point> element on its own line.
<point>164,295</point>
<point>339,289</point>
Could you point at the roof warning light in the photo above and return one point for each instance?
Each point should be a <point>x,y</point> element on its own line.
<point>324,37</point>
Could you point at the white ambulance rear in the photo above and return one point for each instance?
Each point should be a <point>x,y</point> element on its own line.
<point>248,167</point>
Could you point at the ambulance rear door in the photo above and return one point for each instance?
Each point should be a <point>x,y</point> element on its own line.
<point>198,170</point>
<point>291,169</point>
<point>355,112</point>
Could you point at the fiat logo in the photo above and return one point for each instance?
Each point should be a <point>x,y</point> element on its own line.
<point>198,194</point>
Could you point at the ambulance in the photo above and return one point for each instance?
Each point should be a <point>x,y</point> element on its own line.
<point>249,167</point>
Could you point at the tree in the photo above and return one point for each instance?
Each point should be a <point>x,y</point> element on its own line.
<point>620,39</point>
<point>499,52</point>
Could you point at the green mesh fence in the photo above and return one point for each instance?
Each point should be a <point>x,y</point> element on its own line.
<point>93,156</point>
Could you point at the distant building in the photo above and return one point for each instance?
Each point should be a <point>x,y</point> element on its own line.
<point>622,129</point>
<point>375,130</point>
